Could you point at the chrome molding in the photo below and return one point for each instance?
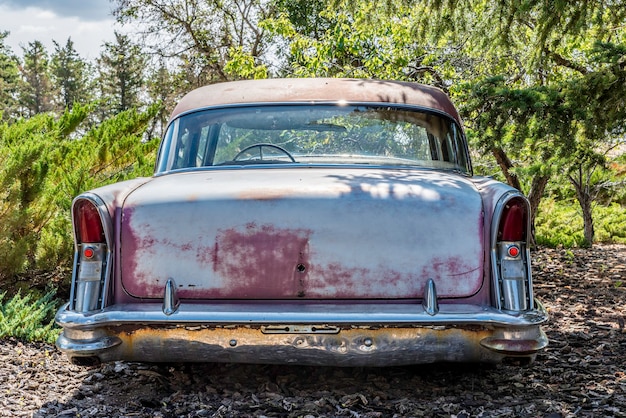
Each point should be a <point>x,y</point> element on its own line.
<point>349,314</point>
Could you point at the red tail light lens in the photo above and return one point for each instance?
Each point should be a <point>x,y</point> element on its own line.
<point>87,222</point>
<point>513,221</point>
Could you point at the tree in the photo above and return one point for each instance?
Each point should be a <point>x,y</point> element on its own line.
<point>557,93</point>
<point>69,75</point>
<point>308,17</point>
<point>162,89</point>
<point>199,34</point>
<point>36,92</point>
<point>9,79</point>
<point>121,69</point>
<point>350,39</point>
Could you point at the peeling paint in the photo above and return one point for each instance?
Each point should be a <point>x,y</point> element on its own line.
<point>337,234</point>
<point>262,262</point>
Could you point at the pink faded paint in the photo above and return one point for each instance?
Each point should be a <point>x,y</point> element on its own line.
<point>454,271</point>
<point>258,262</point>
<point>262,262</point>
<point>312,243</point>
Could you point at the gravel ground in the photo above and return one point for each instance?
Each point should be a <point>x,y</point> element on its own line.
<point>581,373</point>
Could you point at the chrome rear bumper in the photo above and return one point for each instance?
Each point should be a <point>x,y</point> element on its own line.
<point>310,334</point>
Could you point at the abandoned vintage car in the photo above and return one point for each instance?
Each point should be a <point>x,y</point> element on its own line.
<point>305,221</point>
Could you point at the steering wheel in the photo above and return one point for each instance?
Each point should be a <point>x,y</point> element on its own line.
<point>260,147</point>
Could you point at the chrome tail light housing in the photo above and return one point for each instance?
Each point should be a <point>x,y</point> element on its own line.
<point>510,255</point>
<point>92,254</point>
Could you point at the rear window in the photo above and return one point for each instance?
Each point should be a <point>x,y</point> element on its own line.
<point>313,134</point>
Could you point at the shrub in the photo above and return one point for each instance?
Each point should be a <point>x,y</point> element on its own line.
<point>44,163</point>
<point>559,223</point>
<point>27,319</point>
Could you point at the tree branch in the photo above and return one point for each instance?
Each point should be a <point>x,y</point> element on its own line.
<point>564,62</point>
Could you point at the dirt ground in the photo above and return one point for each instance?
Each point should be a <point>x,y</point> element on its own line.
<point>582,373</point>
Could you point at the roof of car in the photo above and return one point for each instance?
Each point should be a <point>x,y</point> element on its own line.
<point>281,90</point>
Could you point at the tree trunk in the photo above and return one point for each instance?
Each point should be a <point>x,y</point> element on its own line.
<point>505,165</point>
<point>585,199</point>
<point>537,187</point>
<point>535,194</point>
<point>588,220</point>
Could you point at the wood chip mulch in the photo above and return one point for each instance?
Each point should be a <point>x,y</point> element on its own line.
<point>582,373</point>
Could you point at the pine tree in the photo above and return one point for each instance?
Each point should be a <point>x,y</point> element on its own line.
<point>69,75</point>
<point>121,74</point>
<point>9,79</point>
<point>36,90</point>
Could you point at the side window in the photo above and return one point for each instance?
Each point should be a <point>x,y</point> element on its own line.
<point>182,150</point>
<point>461,152</point>
<point>203,143</point>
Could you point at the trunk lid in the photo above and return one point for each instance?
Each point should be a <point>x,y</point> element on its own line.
<point>305,233</point>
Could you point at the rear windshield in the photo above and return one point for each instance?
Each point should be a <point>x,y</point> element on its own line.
<point>313,134</point>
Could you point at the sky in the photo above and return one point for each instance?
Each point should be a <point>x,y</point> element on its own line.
<point>88,22</point>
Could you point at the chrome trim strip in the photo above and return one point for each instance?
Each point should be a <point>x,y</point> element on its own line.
<point>330,314</point>
<point>307,166</point>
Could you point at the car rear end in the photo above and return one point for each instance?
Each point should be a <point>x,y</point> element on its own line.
<point>315,254</point>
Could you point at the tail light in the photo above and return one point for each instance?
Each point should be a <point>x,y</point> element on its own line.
<point>91,259</point>
<point>87,222</point>
<point>513,285</point>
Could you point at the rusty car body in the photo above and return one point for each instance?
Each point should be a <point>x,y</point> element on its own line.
<point>305,221</point>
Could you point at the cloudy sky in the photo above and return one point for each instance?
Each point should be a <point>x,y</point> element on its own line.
<point>88,22</point>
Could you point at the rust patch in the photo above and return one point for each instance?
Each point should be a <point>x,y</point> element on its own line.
<point>265,194</point>
<point>456,270</point>
<point>137,281</point>
<point>371,346</point>
<point>262,261</point>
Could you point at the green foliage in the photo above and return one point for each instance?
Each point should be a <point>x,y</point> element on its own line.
<point>243,65</point>
<point>29,319</point>
<point>9,76</point>
<point>69,75</point>
<point>611,223</point>
<point>121,69</point>
<point>350,40</point>
<point>43,167</point>
<point>24,168</point>
<point>559,223</point>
